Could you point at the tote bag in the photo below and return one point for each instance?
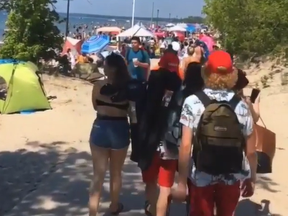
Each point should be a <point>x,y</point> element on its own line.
<point>265,147</point>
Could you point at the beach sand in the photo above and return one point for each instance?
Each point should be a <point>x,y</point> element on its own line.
<point>45,165</point>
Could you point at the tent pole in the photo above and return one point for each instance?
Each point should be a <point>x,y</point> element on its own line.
<point>133,13</point>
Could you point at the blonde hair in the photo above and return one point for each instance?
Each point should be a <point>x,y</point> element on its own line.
<point>190,50</point>
<point>217,81</point>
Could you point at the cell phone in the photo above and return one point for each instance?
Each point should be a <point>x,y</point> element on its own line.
<point>254,95</point>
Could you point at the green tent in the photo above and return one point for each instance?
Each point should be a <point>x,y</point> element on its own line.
<point>21,88</point>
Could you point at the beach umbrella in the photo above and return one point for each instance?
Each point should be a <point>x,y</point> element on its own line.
<point>159,34</point>
<point>209,41</point>
<point>177,29</point>
<point>95,44</point>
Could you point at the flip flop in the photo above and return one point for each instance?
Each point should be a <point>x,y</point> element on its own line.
<point>119,210</point>
<point>146,208</point>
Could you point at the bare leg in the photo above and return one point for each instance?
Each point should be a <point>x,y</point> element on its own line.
<point>116,164</point>
<point>151,192</point>
<point>162,202</point>
<point>100,158</point>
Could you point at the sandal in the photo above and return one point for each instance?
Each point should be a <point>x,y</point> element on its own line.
<point>119,210</point>
<point>146,208</point>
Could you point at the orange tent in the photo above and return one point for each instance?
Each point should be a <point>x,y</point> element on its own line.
<point>113,30</point>
<point>73,44</point>
<point>180,72</point>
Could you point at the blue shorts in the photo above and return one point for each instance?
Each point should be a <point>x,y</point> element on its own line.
<point>110,134</point>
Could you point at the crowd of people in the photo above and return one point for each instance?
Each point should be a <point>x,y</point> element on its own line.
<point>196,122</point>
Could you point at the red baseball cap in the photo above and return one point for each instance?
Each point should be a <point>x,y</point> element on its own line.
<point>219,62</point>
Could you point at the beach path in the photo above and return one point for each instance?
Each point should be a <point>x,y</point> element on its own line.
<point>45,164</point>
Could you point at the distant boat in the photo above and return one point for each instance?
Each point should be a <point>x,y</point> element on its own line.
<point>111,20</point>
<point>128,21</point>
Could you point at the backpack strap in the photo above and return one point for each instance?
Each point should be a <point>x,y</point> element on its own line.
<point>143,56</point>
<point>127,55</point>
<point>234,101</point>
<point>203,98</point>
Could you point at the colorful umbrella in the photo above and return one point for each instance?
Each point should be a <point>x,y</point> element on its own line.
<point>95,44</point>
<point>208,41</point>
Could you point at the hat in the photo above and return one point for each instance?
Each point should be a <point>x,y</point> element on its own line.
<point>175,46</point>
<point>219,62</point>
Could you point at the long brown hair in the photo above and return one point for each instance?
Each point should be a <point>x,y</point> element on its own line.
<point>121,75</point>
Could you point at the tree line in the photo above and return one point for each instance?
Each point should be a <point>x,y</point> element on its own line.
<point>32,29</point>
<point>249,27</point>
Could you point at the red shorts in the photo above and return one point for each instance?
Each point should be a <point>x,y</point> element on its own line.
<point>202,199</point>
<point>163,170</point>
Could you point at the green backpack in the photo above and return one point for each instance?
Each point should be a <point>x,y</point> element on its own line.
<point>219,142</point>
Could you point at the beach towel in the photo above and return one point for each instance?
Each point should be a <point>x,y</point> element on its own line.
<point>154,118</point>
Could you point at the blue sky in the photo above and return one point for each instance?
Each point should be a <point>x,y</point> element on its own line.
<point>180,8</point>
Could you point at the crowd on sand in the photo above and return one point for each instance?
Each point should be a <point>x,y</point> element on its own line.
<point>188,115</point>
<point>154,47</point>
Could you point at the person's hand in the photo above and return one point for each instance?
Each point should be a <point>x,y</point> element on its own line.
<point>247,188</point>
<point>179,193</point>
<point>248,101</point>
<point>136,63</point>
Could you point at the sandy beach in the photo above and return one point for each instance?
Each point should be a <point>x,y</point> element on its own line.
<point>45,165</point>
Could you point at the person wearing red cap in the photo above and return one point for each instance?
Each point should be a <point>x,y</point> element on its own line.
<point>224,168</point>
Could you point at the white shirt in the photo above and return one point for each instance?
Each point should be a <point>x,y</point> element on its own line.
<point>72,58</point>
<point>191,113</point>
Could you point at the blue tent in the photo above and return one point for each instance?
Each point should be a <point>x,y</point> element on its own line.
<point>9,61</point>
<point>95,44</point>
<point>191,29</point>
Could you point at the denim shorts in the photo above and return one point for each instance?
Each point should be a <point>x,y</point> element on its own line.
<point>110,134</point>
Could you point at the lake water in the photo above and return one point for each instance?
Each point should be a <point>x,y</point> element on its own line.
<point>80,19</point>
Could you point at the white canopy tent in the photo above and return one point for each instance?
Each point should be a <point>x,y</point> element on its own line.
<point>184,25</point>
<point>136,30</point>
<point>177,28</point>
<point>170,25</point>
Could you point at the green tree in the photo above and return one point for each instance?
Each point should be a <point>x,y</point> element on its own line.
<point>32,29</point>
<point>249,27</point>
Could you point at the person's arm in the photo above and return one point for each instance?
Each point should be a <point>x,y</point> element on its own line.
<point>95,92</point>
<point>255,112</point>
<point>145,64</point>
<point>186,120</point>
<point>251,145</point>
<point>184,64</point>
<point>254,108</point>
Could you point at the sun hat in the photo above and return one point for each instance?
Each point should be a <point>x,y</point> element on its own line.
<point>219,62</point>
<point>175,46</point>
